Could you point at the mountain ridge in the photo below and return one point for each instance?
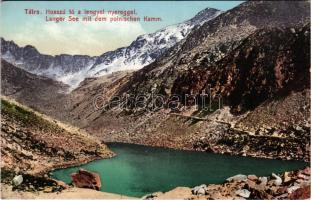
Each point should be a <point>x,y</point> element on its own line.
<point>73,69</point>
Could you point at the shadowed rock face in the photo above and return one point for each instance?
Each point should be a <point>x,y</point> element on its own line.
<point>214,40</point>
<point>38,92</point>
<point>269,63</point>
<point>85,179</point>
<point>15,80</point>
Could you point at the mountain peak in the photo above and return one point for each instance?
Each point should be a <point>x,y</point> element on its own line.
<point>149,47</point>
<point>74,69</point>
<point>205,14</point>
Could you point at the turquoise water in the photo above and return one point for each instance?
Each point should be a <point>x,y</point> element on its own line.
<point>140,170</point>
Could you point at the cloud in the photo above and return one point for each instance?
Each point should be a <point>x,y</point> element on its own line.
<point>92,38</point>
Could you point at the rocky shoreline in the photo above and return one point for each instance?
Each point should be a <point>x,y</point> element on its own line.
<point>232,141</point>
<point>236,142</point>
<point>220,132</point>
<point>74,163</point>
<point>249,149</point>
<point>291,185</point>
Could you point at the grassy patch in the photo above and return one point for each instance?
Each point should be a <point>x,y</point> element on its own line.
<point>26,117</point>
<point>30,183</point>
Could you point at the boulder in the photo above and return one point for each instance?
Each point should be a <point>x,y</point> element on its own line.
<point>252,177</point>
<point>307,171</point>
<point>60,183</point>
<point>152,196</point>
<point>243,193</point>
<point>282,190</point>
<point>17,180</point>
<point>148,197</point>
<point>202,189</point>
<point>278,180</point>
<point>302,176</point>
<point>239,177</point>
<point>305,183</point>
<point>48,190</point>
<point>251,184</point>
<point>263,181</point>
<point>17,170</point>
<point>86,179</point>
<point>156,194</point>
<point>287,177</point>
<point>292,189</point>
<point>301,193</point>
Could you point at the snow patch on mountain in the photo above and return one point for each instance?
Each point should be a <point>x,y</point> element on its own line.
<point>73,69</point>
<point>73,79</point>
<point>147,48</point>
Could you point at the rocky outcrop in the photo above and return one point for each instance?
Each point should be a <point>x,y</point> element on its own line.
<point>86,179</point>
<point>293,144</point>
<point>295,187</point>
<point>268,64</point>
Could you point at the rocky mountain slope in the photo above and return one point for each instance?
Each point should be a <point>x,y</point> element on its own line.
<point>265,67</point>
<point>272,120</point>
<point>72,69</point>
<point>41,93</point>
<point>33,143</point>
<point>214,40</point>
<point>270,63</point>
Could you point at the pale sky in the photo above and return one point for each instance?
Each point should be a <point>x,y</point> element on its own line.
<point>92,38</point>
